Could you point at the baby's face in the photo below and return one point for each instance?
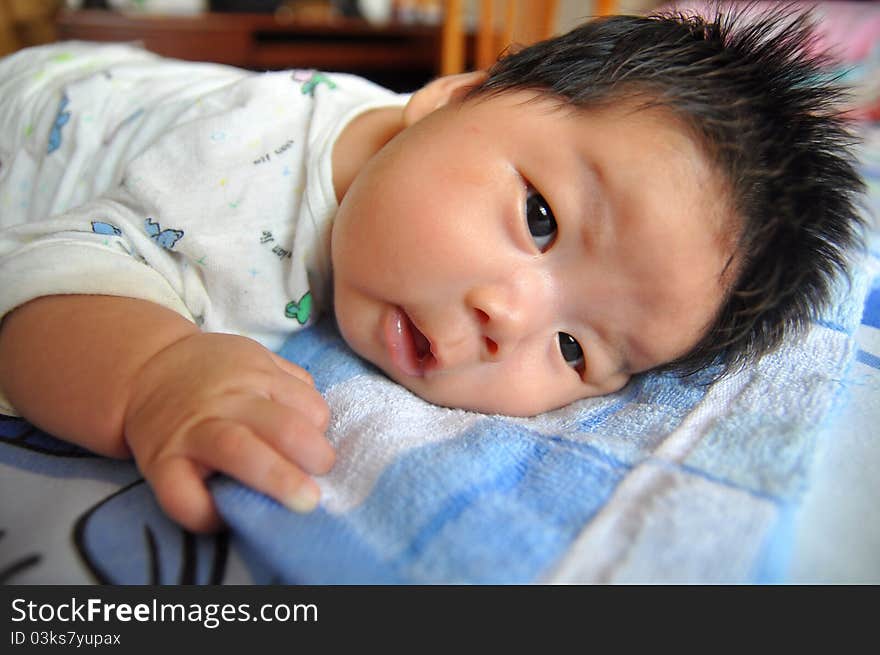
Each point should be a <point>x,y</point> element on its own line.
<point>508,256</point>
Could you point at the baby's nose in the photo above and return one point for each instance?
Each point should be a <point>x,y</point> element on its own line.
<point>509,311</point>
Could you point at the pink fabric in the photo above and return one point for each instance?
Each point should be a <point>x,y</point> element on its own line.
<point>850,31</point>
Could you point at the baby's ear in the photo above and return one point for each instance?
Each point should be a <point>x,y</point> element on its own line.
<point>438,93</point>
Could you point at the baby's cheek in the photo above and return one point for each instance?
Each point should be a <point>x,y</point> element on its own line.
<point>609,385</point>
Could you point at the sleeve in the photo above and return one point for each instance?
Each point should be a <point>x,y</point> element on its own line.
<point>106,247</point>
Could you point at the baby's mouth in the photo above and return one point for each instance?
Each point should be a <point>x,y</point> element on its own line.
<point>410,350</point>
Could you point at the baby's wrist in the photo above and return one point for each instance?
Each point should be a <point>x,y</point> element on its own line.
<point>157,372</point>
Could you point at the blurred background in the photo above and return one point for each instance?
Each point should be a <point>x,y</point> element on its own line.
<point>398,43</point>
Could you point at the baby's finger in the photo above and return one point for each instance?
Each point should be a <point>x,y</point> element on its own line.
<point>291,434</point>
<point>292,369</point>
<point>291,392</point>
<point>180,489</point>
<point>232,448</point>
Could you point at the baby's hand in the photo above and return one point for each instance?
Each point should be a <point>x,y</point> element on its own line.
<point>215,402</point>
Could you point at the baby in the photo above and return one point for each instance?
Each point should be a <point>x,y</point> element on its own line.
<point>638,194</point>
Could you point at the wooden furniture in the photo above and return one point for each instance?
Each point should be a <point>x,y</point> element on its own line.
<point>398,56</point>
<point>605,7</point>
<point>26,22</point>
<point>519,21</point>
<point>499,24</point>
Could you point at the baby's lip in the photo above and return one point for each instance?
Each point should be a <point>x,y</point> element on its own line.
<point>408,347</point>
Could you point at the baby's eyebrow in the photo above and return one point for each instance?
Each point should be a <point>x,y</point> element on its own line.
<point>597,207</point>
<point>626,348</point>
<point>618,348</point>
<point>626,366</point>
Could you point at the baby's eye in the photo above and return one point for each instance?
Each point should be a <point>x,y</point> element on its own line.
<point>542,225</point>
<point>571,351</point>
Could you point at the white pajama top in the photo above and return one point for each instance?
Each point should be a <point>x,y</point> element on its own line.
<point>203,188</point>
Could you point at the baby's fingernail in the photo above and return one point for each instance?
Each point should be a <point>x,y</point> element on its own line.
<point>304,500</point>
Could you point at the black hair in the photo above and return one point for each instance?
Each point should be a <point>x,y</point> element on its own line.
<point>763,104</point>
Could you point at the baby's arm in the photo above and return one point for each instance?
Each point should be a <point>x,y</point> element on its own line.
<point>122,377</point>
